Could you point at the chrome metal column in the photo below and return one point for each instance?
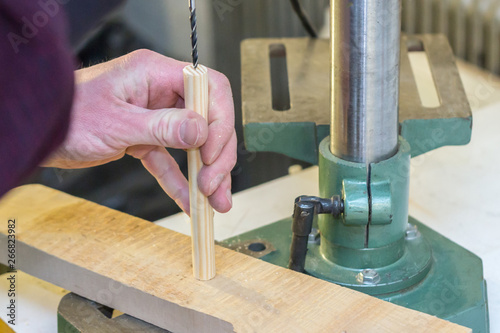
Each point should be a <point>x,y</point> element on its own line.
<point>365,42</point>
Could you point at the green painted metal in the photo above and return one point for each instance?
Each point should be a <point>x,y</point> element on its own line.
<point>355,198</point>
<point>64,326</point>
<point>306,124</point>
<point>413,269</point>
<point>426,272</point>
<point>343,237</point>
<point>333,171</point>
<point>300,140</point>
<point>422,270</point>
<point>396,171</point>
<point>411,265</point>
<point>382,205</point>
<point>425,135</point>
<point>452,289</point>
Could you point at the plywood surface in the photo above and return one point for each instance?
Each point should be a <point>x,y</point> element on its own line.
<point>145,270</point>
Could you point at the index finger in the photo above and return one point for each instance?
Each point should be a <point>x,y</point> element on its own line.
<point>220,117</point>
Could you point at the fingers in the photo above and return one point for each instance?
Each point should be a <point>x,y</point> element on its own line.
<point>162,78</point>
<point>166,171</point>
<point>212,176</point>
<point>174,128</point>
<point>220,117</point>
<point>221,199</point>
<point>165,89</point>
<point>181,128</point>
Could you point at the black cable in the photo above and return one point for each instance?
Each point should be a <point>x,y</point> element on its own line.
<point>304,19</point>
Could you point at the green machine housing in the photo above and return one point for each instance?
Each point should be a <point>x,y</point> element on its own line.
<point>402,260</point>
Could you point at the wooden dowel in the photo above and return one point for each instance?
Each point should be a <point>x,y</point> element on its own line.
<point>202,226</point>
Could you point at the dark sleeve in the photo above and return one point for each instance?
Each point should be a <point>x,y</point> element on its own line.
<point>36,85</point>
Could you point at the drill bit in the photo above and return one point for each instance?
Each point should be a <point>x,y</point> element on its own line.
<point>194,33</point>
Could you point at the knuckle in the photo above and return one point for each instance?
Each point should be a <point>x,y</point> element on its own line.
<point>225,130</point>
<point>176,194</point>
<point>162,130</point>
<point>226,126</point>
<point>142,54</point>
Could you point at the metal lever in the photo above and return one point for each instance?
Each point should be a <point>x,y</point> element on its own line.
<point>305,208</point>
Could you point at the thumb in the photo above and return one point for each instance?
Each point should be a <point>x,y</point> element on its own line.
<point>173,128</point>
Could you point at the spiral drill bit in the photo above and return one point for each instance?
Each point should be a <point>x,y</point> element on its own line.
<point>194,33</point>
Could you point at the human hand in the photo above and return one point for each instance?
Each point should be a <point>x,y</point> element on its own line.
<point>134,105</point>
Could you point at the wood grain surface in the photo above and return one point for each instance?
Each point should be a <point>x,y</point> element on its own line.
<point>145,270</point>
<point>202,225</point>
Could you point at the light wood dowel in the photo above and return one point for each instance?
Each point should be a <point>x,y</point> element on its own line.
<point>202,226</point>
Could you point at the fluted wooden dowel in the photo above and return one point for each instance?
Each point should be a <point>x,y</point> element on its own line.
<point>202,226</point>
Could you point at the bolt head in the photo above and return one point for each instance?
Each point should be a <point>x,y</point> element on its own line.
<point>412,232</point>
<point>368,276</point>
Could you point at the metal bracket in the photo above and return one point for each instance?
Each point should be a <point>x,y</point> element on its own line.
<point>297,132</point>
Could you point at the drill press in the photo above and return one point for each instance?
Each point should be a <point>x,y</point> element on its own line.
<point>361,123</point>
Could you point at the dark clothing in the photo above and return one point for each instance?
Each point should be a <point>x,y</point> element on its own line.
<point>36,85</point>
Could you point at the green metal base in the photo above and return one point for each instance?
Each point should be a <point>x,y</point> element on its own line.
<point>453,287</point>
<point>410,269</point>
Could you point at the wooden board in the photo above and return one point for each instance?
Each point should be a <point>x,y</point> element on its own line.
<point>145,270</point>
<point>4,328</point>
